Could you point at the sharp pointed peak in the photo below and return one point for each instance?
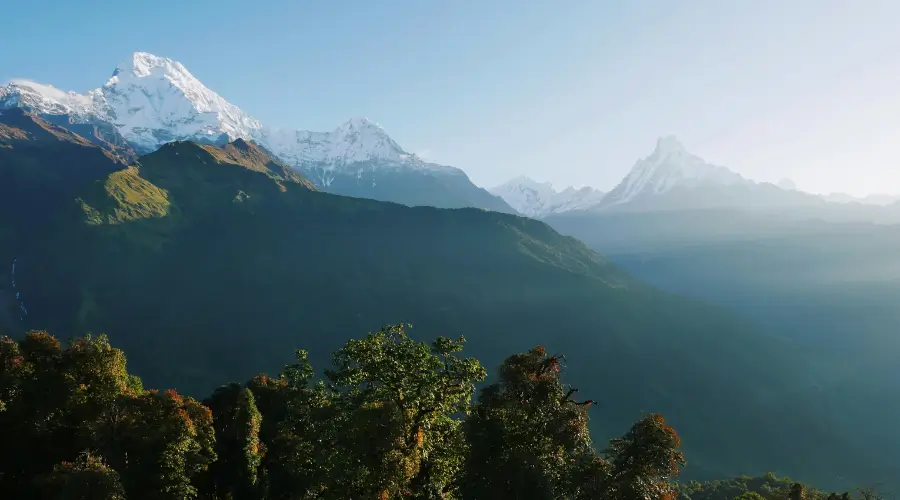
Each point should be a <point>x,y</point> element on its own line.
<point>669,144</point>
<point>359,123</point>
<point>143,63</point>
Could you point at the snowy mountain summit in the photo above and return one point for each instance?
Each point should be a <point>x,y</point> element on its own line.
<point>354,147</point>
<point>151,100</point>
<point>658,180</point>
<point>539,199</point>
<point>671,178</point>
<point>360,139</point>
<point>669,167</point>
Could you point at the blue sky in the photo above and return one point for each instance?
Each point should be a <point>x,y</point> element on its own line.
<point>571,92</point>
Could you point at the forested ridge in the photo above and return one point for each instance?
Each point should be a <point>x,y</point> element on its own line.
<point>391,418</point>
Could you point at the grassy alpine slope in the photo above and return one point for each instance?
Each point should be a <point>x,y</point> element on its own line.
<point>208,264</point>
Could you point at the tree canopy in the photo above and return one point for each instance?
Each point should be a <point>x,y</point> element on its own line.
<point>392,418</point>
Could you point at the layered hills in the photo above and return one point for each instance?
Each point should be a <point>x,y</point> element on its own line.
<point>209,263</point>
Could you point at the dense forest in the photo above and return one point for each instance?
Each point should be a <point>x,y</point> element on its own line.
<point>391,418</point>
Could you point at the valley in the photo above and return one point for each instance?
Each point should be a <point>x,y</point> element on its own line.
<point>829,290</point>
<point>209,263</point>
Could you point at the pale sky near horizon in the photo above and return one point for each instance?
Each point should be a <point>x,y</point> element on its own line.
<point>569,92</point>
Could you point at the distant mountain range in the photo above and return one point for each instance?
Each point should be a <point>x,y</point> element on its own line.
<point>150,101</point>
<point>538,199</point>
<point>673,179</point>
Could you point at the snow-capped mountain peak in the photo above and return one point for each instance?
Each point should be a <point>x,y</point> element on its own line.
<point>669,144</point>
<point>669,166</point>
<point>153,100</point>
<point>538,199</point>
<point>143,64</point>
<point>360,139</point>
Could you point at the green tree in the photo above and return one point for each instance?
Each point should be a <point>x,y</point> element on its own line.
<point>749,495</point>
<point>163,446</point>
<point>392,397</point>
<point>237,422</point>
<point>528,437</point>
<point>54,401</point>
<point>12,371</point>
<point>797,492</point>
<point>869,493</point>
<point>644,460</point>
<point>88,478</point>
<point>297,420</point>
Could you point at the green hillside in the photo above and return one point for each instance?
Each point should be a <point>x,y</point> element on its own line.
<point>208,264</point>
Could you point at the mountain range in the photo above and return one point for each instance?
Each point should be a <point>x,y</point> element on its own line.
<point>150,101</point>
<point>538,199</point>
<point>213,262</point>
<point>673,179</point>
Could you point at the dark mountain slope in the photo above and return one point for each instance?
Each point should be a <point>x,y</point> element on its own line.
<point>208,264</point>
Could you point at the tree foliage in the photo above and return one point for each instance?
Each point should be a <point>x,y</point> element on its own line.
<point>88,478</point>
<point>766,487</point>
<point>237,423</point>
<point>527,435</point>
<point>392,418</point>
<point>72,414</point>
